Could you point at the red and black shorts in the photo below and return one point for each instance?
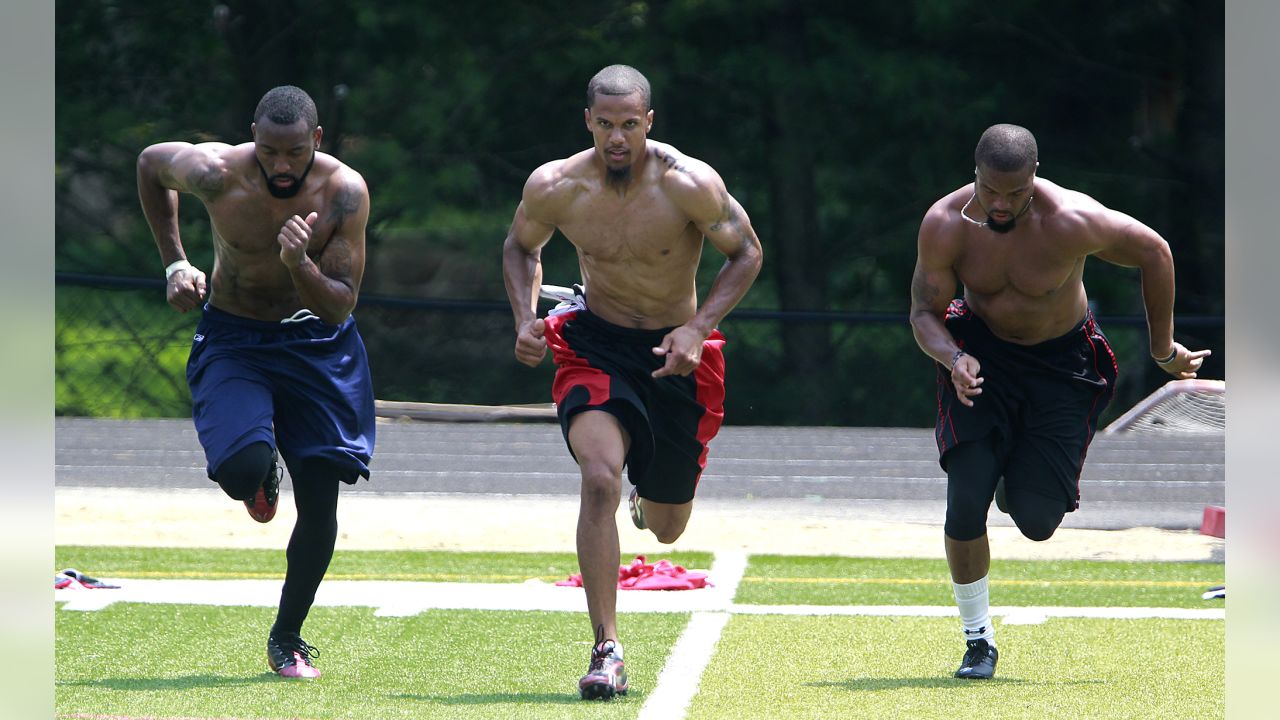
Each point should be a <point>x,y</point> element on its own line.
<point>1041,401</point>
<point>601,366</point>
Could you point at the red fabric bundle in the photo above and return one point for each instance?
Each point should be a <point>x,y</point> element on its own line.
<point>640,575</point>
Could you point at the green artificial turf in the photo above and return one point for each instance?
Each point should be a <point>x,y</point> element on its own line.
<point>829,580</point>
<point>165,661</point>
<point>899,667</point>
<point>429,566</point>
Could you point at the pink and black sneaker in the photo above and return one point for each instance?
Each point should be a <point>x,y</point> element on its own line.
<point>290,656</point>
<point>262,506</point>
<point>606,676</point>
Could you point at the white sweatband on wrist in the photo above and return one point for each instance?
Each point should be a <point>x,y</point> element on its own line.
<point>175,266</point>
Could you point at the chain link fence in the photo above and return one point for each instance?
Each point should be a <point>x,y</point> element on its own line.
<point>121,351</point>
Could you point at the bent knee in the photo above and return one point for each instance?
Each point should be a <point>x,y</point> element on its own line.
<point>1036,516</point>
<point>669,534</point>
<point>667,538</point>
<point>1038,533</point>
<point>1038,529</point>
<point>242,474</point>
<point>601,481</point>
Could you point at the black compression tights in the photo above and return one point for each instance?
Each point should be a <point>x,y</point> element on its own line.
<point>973,468</point>
<point>315,494</point>
<point>242,474</point>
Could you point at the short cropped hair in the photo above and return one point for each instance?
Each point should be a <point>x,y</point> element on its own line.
<point>285,105</point>
<point>1006,148</point>
<point>618,80</point>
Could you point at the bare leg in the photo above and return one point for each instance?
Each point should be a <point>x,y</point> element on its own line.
<point>969,560</point>
<point>600,444</point>
<point>665,520</point>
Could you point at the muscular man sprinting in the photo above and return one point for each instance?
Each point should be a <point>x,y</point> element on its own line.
<point>640,374</point>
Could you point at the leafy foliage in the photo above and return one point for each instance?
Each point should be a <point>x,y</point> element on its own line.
<point>835,125</point>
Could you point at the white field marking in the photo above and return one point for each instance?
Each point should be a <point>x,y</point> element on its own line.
<point>677,684</point>
<point>679,679</point>
<point>399,598</point>
<point>1019,615</point>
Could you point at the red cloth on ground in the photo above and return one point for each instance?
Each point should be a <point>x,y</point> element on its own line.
<point>640,575</point>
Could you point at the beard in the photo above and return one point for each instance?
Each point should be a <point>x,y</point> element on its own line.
<point>284,193</point>
<point>618,177</point>
<point>1001,227</point>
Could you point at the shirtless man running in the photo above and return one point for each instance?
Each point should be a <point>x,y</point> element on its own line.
<point>1023,370</point>
<point>277,367</point>
<point>640,373</point>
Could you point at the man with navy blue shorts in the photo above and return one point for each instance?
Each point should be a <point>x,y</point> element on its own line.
<point>640,374</point>
<point>1023,369</point>
<point>277,369</point>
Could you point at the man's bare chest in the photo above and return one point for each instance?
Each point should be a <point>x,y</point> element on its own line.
<point>253,227</point>
<point>615,231</point>
<point>1033,269</point>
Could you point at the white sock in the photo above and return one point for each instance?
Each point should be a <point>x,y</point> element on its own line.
<point>975,610</point>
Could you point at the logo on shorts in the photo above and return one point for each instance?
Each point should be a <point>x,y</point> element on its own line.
<point>199,337</point>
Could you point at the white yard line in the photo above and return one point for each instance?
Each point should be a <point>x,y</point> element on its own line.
<point>399,598</point>
<point>678,682</point>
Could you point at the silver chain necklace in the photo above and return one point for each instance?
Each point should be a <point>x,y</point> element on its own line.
<point>983,223</point>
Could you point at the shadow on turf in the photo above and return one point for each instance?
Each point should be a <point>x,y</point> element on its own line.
<point>871,684</point>
<point>186,682</point>
<point>501,698</point>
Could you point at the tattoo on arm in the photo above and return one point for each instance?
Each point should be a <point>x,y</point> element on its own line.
<point>335,262</point>
<point>727,214</point>
<point>923,293</point>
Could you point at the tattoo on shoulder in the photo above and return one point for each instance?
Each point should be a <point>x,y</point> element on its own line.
<point>671,161</point>
<point>205,181</point>
<point>346,202</point>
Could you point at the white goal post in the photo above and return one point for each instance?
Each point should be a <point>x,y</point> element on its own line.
<point>1180,406</point>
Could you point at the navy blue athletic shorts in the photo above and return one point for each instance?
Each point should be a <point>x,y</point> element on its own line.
<point>602,366</point>
<point>300,386</point>
<point>1042,401</point>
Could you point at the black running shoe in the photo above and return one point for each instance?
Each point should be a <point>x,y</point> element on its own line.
<point>290,656</point>
<point>606,676</point>
<point>262,506</point>
<point>979,661</point>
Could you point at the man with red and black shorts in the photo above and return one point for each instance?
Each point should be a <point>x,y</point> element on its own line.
<point>640,373</point>
<point>602,366</point>
<point>1036,419</point>
<point>1023,369</point>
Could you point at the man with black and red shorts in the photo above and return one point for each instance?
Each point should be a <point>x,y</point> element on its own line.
<point>1024,371</point>
<point>640,378</point>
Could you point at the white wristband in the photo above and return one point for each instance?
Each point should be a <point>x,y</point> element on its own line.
<point>175,266</point>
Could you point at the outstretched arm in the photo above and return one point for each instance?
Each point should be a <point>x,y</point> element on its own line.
<point>933,285</point>
<point>329,284</point>
<point>1125,241</point>
<point>522,267</point>
<point>701,193</point>
<point>164,170</point>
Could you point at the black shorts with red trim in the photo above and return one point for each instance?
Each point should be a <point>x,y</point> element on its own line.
<point>1042,401</point>
<point>602,366</point>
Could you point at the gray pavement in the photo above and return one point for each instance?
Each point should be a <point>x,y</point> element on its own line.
<point>882,474</point>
